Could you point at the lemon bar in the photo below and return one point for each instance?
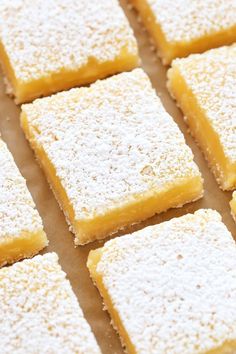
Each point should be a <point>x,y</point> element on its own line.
<point>204,87</point>
<point>21,229</point>
<point>49,46</point>
<point>233,205</point>
<point>39,311</point>
<point>111,153</point>
<point>171,288</point>
<point>181,27</point>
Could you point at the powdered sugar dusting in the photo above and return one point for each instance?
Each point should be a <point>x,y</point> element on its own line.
<point>187,20</point>
<point>44,37</point>
<point>40,311</point>
<point>212,78</point>
<point>174,284</point>
<point>110,143</point>
<point>17,209</point>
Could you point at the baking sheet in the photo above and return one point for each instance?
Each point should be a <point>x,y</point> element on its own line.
<point>73,260</point>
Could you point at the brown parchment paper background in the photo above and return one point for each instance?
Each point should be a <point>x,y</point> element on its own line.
<point>73,260</point>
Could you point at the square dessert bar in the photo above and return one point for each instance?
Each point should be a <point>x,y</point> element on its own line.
<point>171,288</point>
<point>181,27</point>
<point>233,206</point>
<point>21,228</point>
<point>53,45</point>
<point>204,88</point>
<point>111,153</point>
<point>39,311</point>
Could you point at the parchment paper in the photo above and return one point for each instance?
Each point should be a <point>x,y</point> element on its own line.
<point>73,260</point>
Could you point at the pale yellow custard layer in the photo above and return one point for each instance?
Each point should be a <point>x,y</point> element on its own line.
<point>25,245</point>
